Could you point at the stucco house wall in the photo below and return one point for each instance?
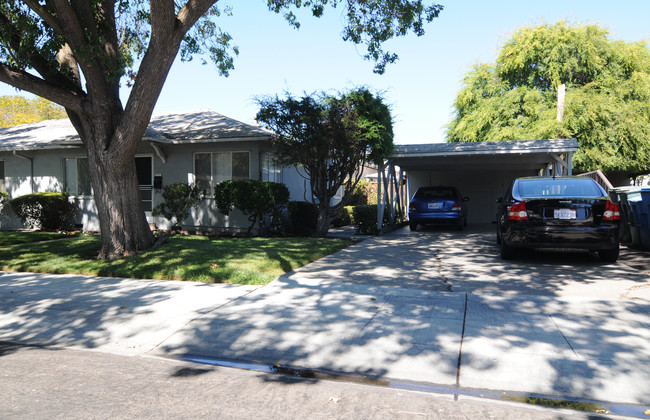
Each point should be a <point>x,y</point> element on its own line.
<point>34,160</point>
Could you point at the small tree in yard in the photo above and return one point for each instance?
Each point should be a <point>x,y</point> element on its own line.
<point>179,199</point>
<point>252,197</point>
<point>331,139</point>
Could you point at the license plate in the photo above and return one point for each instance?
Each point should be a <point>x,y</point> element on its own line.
<point>435,206</point>
<point>565,214</point>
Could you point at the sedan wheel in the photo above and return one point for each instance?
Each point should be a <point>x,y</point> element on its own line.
<point>507,252</point>
<point>413,226</point>
<point>609,255</point>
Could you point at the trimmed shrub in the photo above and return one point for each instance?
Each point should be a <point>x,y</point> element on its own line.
<point>179,199</point>
<point>47,211</point>
<point>303,217</point>
<point>345,218</point>
<point>252,197</point>
<point>365,219</point>
<point>4,199</point>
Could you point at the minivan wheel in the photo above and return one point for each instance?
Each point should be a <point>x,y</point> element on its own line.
<point>609,255</point>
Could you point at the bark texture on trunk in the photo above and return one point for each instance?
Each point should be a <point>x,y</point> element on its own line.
<point>124,227</point>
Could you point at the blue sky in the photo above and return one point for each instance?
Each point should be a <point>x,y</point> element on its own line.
<point>420,87</point>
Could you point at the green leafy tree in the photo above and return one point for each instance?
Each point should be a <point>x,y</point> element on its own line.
<point>331,139</point>
<point>78,53</point>
<point>179,199</point>
<point>15,110</point>
<point>607,105</point>
<point>254,198</point>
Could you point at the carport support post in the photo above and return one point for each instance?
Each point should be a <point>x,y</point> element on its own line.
<point>380,196</point>
<point>392,191</point>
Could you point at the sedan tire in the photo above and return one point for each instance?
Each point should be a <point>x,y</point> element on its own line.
<point>507,252</point>
<point>609,255</point>
<point>413,226</point>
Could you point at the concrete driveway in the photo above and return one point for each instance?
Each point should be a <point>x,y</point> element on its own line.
<point>435,310</point>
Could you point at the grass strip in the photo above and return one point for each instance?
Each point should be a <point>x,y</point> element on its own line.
<point>193,258</point>
<point>10,238</point>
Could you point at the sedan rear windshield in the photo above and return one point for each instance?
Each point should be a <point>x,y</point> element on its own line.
<point>435,193</point>
<point>559,187</point>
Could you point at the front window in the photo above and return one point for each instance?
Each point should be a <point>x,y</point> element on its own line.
<point>213,168</point>
<point>77,181</point>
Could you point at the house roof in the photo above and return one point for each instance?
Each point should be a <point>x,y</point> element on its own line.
<point>170,128</point>
<point>515,154</point>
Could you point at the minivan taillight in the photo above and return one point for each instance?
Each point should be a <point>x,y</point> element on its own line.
<point>456,207</point>
<point>517,211</point>
<point>612,212</point>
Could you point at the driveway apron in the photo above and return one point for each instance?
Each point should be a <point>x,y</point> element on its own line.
<point>440,307</point>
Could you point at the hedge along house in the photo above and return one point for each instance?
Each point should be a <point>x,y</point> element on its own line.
<point>193,147</point>
<point>481,171</point>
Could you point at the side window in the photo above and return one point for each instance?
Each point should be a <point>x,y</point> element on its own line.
<point>77,181</point>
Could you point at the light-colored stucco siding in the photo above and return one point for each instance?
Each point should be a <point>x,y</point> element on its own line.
<point>49,175</point>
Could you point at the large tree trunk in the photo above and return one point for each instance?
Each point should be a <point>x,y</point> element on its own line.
<point>122,221</point>
<point>124,227</point>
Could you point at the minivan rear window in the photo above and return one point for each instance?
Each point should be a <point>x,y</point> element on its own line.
<point>559,187</point>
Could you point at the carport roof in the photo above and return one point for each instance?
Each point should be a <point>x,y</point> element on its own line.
<point>516,154</point>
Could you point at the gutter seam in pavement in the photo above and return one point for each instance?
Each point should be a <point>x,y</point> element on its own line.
<point>563,336</point>
<point>460,352</point>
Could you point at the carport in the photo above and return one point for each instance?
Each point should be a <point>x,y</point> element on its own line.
<point>482,171</point>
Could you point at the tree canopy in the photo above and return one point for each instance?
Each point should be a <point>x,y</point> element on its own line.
<point>607,106</point>
<point>331,138</point>
<point>77,53</point>
<point>16,110</point>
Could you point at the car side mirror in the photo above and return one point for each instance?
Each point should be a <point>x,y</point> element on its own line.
<point>465,198</point>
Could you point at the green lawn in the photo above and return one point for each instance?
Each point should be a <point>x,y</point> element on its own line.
<point>9,238</point>
<point>193,258</point>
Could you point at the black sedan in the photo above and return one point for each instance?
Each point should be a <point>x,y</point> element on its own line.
<point>558,212</point>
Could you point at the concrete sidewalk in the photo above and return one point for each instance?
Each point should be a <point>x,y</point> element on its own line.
<point>419,309</point>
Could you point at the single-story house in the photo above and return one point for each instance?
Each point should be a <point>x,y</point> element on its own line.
<point>195,147</point>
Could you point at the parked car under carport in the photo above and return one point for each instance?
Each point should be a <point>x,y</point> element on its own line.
<point>558,212</point>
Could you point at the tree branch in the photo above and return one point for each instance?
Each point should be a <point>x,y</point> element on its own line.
<point>53,92</point>
<point>191,12</point>
<point>45,15</point>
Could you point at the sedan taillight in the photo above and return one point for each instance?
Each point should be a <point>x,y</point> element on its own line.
<point>518,211</point>
<point>411,207</point>
<point>612,212</point>
<point>456,207</point>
